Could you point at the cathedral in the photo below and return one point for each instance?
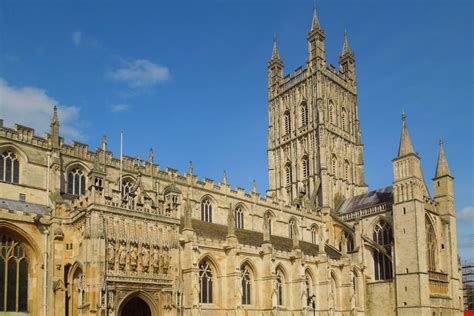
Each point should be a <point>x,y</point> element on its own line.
<point>86,233</point>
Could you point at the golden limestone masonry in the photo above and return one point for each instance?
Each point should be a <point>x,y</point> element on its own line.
<point>84,233</point>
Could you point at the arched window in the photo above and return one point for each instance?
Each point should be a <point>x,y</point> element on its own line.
<point>13,276</point>
<point>206,282</point>
<point>308,281</point>
<point>304,114</point>
<point>279,288</point>
<point>344,120</point>
<point>287,122</point>
<point>78,290</point>
<point>9,167</point>
<point>331,112</point>
<point>127,186</point>
<point>305,167</point>
<point>288,174</point>
<point>76,182</point>
<point>334,164</point>
<point>246,285</point>
<point>206,211</point>
<point>382,261</point>
<point>239,218</point>
<point>268,222</point>
<point>349,242</point>
<point>314,235</point>
<point>347,170</point>
<point>292,228</point>
<point>431,246</point>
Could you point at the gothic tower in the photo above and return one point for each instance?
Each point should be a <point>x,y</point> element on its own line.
<point>314,139</point>
<point>411,266</point>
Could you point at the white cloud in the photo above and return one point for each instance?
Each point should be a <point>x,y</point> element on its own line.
<point>32,107</point>
<point>119,107</point>
<point>77,37</point>
<point>467,213</point>
<point>140,73</point>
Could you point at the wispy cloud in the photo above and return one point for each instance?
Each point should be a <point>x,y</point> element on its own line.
<point>466,213</point>
<point>140,73</point>
<point>33,107</point>
<point>77,37</point>
<point>119,108</point>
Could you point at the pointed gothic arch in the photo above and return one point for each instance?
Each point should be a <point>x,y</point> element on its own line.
<point>431,245</point>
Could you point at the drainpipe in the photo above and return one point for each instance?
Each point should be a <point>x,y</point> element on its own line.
<point>45,232</point>
<point>47,178</point>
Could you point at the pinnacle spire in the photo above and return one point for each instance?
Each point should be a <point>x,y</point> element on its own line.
<point>55,119</point>
<point>442,167</point>
<point>275,54</point>
<point>346,49</point>
<point>406,146</point>
<point>315,22</point>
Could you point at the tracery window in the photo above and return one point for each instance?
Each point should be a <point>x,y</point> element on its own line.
<point>382,261</point>
<point>287,121</point>
<point>76,182</point>
<point>304,114</point>
<point>239,218</point>
<point>305,165</point>
<point>246,285</point>
<point>279,288</point>
<point>430,245</point>
<point>206,282</point>
<point>9,167</point>
<point>206,211</point>
<point>127,187</point>
<point>13,276</point>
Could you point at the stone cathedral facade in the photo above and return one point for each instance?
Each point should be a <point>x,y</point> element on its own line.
<point>85,233</point>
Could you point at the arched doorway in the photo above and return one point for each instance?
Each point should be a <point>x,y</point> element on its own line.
<point>136,307</point>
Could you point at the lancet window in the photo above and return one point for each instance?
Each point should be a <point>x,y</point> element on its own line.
<point>206,210</point>
<point>314,235</point>
<point>279,288</point>
<point>246,285</point>
<point>287,122</point>
<point>382,258</point>
<point>239,218</point>
<point>76,182</point>
<point>13,276</point>
<point>305,165</point>
<point>304,114</point>
<point>430,246</point>
<point>9,167</point>
<point>288,174</point>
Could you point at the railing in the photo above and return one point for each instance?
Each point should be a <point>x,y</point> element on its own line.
<point>438,282</point>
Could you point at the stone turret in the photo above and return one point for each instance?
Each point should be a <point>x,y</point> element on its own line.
<point>275,70</point>
<point>316,45</point>
<point>347,61</point>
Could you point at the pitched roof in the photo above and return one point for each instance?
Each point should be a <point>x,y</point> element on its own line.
<point>19,206</point>
<point>372,198</point>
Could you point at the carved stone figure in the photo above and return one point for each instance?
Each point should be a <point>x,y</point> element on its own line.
<point>145,258</point>
<point>123,256</point>
<point>133,257</point>
<point>111,255</point>
<point>156,260</point>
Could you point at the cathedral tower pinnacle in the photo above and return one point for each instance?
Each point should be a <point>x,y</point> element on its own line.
<point>347,61</point>
<point>55,129</point>
<point>316,46</point>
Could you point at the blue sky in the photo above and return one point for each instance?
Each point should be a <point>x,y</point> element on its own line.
<point>189,79</point>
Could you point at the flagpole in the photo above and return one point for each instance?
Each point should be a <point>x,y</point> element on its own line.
<point>121,161</point>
